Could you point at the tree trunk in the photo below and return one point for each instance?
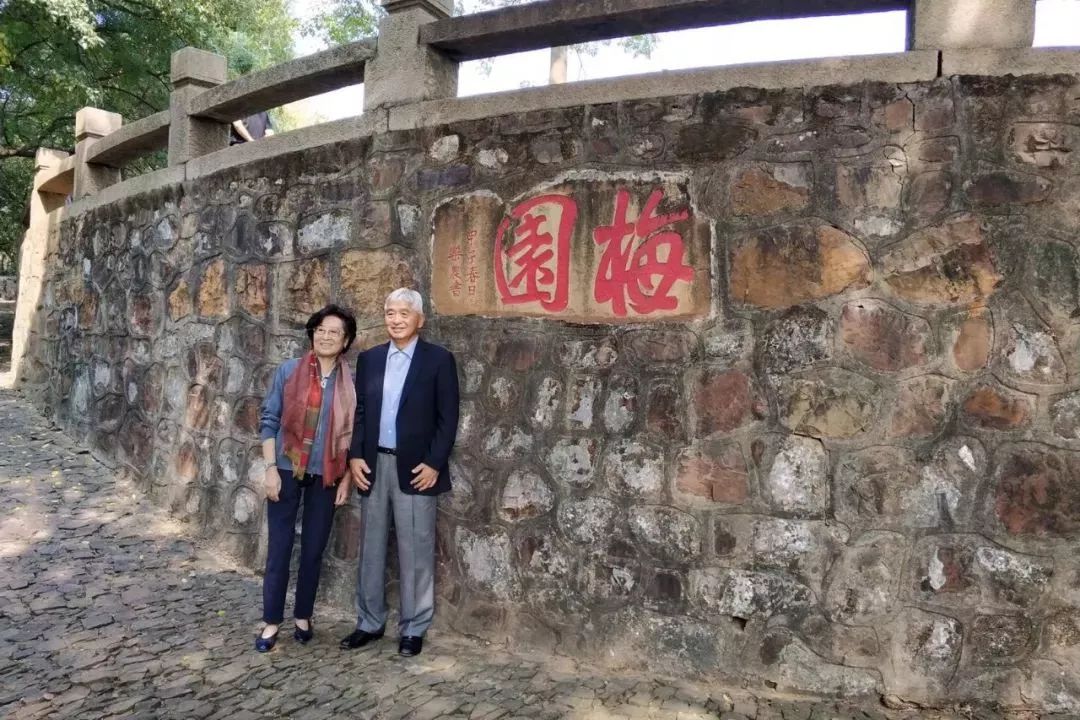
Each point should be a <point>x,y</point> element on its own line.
<point>557,73</point>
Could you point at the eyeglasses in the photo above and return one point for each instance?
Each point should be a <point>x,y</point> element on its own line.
<point>328,332</point>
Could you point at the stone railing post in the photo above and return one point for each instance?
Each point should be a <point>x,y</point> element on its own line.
<point>92,124</point>
<point>193,71</point>
<point>403,71</point>
<point>963,24</point>
<point>32,254</point>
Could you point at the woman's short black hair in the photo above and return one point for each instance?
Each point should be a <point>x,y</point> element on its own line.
<point>332,311</point>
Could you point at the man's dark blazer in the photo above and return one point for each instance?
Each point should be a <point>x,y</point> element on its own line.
<point>427,417</point>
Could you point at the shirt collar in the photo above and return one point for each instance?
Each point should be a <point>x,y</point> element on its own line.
<point>409,349</point>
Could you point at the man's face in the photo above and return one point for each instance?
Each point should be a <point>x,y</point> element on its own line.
<point>402,322</point>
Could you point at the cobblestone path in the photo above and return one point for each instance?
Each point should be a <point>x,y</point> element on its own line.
<point>108,611</point>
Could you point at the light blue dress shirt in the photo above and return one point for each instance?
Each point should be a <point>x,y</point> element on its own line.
<point>397,367</point>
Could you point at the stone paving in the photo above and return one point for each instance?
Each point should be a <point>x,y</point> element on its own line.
<point>107,610</point>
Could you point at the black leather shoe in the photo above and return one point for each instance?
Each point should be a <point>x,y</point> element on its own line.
<point>304,636</point>
<point>411,645</point>
<point>265,644</point>
<point>358,639</point>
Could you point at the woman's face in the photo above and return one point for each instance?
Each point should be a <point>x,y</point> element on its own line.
<point>329,340</point>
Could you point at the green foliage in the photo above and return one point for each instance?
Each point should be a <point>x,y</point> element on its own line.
<point>342,21</point>
<point>57,56</point>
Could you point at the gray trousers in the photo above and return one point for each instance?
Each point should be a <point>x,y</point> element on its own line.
<point>414,527</point>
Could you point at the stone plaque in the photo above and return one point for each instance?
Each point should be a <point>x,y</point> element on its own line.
<point>595,249</point>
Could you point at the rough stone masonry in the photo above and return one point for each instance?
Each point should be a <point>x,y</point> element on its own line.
<point>849,468</point>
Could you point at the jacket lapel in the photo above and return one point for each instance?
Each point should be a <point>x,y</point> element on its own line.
<point>414,368</point>
<point>375,374</point>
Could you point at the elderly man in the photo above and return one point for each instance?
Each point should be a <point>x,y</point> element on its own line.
<point>406,422</point>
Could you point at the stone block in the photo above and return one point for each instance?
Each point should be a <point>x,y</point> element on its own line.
<point>251,289</point>
<point>829,403</point>
<point>589,521</point>
<point>965,570</point>
<point>883,337</point>
<point>572,462</point>
<point>862,587</point>
<point>1034,492</point>
<point>1000,639</point>
<point>992,406</point>
<point>949,263</point>
<point>212,300</point>
<point>712,471</point>
<point>720,401</point>
<point>747,595</point>
<point>368,276</point>
<point>797,478</point>
<point>762,190</point>
<point>667,534</point>
<point>620,407</point>
<point>634,470</point>
<point>794,263</point>
<point>922,405</point>
<point>801,337</point>
<point>405,70</point>
<point>805,549</point>
<point>582,396</point>
<point>928,646</point>
<point>306,289</point>
<point>972,339</point>
<point>486,562</point>
<point>525,496</point>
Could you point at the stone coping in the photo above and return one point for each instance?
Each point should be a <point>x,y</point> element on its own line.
<point>297,79</point>
<point>912,66</point>
<point>1023,61</point>
<point>900,67</point>
<point>131,141</point>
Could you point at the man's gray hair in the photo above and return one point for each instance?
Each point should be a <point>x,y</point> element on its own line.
<point>410,297</point>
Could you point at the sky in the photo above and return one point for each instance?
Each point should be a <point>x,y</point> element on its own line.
<point>1057,23</point>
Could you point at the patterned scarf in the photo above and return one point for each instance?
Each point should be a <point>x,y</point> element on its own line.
<point>303,398</point>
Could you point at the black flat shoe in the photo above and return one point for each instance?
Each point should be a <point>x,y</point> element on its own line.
<point>304,636</point>
<point>358,639</point>
<point>265,644</point>
<point>410,645</point>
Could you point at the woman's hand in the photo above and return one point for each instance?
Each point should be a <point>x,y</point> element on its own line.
<point>272,483</point>
<point>342,496</point>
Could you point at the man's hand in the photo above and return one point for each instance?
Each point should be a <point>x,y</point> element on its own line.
<point>360,472</point>
<point>342,496</point>
<point>425,477</point>
<point>272,483</point>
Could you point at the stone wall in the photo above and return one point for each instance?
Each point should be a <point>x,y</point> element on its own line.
<point>853,471</point>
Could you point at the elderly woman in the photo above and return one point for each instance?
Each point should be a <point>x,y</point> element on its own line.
<point>306,428</point>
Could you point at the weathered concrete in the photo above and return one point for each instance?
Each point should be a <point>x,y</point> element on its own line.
<point>902,67</point>
<point>534,26</point>
<point>92,124</point>
<point>947,24</point>
<point>193,71</point>
<point>111,611</point>
<point>131,141</point>
<point>282,144</point>
<point>297,79</point>
<point>1008,61</point>
<point>405,71</point>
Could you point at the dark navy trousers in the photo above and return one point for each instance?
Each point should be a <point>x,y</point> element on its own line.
<point>317,520</point>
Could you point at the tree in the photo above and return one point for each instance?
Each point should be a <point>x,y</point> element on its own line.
<point>57,56</point>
